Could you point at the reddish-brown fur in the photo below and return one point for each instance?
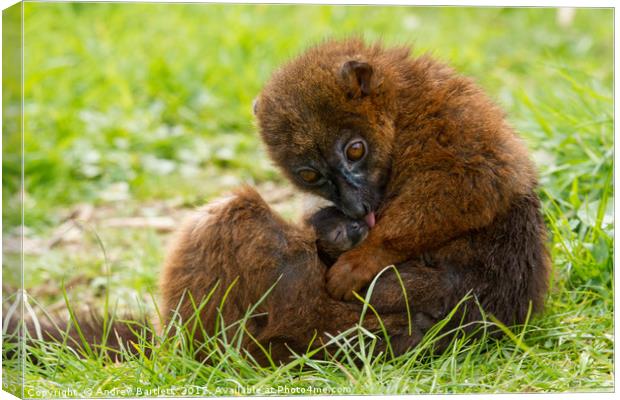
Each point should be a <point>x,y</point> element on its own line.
<point>450,178</point>
<point>455,164</point>
<point>240,242</point>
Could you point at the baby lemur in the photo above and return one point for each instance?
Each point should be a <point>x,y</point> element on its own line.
<point>335,233</point>
<point>240,243</point>
<point>241,249</point>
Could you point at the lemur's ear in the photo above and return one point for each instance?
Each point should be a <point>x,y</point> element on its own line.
<point>358,77</point>
<point>255,105</point>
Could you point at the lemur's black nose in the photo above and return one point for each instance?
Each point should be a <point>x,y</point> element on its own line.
<point>354,226</point>
<point>356,231</point>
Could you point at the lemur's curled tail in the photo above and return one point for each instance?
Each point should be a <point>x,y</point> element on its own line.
<point>87,334</point>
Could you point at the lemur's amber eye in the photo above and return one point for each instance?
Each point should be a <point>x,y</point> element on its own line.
<point>355,150</point>
<point>309,175</point>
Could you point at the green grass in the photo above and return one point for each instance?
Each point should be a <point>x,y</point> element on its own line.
<point>151,103</point>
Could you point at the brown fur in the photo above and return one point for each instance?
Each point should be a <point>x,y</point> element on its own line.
<point>445,174</point>
<point>239,242</point>
<point>135,335</point>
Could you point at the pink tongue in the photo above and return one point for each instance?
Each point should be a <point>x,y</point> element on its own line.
<point>370,219</point>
